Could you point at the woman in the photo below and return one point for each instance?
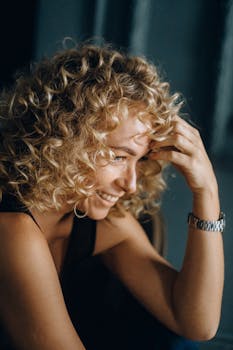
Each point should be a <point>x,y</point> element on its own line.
<point>87,134</point>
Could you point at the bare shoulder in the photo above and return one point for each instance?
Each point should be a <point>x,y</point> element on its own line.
<point>24,256</point>
<point>15,222</point>
<point>18,235</point>
<point>31,302</point>
<point>15,227</point>
<point>115,230</point>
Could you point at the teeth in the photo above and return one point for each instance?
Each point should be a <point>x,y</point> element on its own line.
<point>107,197</point>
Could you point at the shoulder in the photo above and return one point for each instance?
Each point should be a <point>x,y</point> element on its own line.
<point>20,241</point>
<point>31,301</point>
<point>115,230</point>
<point>18,226</point>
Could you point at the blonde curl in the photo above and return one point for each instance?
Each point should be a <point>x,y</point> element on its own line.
<point>55,120</point>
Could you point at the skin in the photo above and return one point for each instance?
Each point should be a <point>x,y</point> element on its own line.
<point>129,144</point>
<point>188,301</point>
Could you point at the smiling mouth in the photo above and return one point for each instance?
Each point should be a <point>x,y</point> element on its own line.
<point>108,197</point>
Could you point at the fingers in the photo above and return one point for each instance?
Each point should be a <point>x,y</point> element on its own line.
<point>176,142</point>
<point>182,127</point>
<point>172,156</point>
<point>183,138</point>
<point>184,148</point>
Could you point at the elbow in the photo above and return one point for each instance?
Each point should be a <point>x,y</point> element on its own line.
<point>205,335</point>
<point>201,333</point>
<point>199,326</point>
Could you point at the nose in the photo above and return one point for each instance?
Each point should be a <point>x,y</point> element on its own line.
<point>128,180</point>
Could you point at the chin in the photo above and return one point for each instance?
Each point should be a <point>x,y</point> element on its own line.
<point>95,209</point>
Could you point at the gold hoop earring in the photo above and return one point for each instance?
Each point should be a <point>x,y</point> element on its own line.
<point>79,216</point>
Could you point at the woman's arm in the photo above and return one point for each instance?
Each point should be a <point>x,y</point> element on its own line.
<point>202,273</point>
<point>31,301</point>
<point>188,301</point>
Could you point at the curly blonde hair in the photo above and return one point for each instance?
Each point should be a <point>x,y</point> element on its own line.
<point>55,120</point>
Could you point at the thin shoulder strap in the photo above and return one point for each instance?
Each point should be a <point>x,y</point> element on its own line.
<point>10,203</point>
<point>30,214</point>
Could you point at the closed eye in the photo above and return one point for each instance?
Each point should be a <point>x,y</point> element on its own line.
<point>119,158</point>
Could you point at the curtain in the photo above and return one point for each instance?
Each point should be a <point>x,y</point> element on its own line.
<point>222,140</point>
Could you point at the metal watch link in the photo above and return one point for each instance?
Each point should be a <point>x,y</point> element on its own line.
<point>207,225</point>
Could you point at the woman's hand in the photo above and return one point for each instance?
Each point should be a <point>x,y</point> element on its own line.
<point>185,150</point>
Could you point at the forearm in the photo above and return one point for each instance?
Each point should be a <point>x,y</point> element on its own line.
<point>197,293</point>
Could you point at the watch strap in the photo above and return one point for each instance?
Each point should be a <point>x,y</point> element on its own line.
<point>207,225</point>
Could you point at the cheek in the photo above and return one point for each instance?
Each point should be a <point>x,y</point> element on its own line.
<point>106,174</point>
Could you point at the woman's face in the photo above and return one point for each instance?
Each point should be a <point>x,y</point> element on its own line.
<point>115,178</point>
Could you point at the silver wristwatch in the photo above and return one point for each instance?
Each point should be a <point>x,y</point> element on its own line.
<point>207,225</point>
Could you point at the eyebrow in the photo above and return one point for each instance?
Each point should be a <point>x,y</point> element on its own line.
<point>125,149</point>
